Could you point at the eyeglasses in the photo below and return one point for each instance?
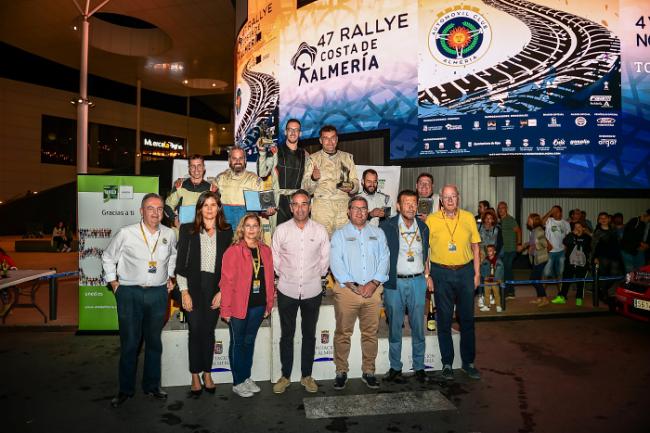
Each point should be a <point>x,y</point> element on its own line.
<point>294,130</point>
<point>449,197</point>
<point>359,209</point>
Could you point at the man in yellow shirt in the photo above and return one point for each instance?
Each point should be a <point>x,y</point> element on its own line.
<point>455,270</point>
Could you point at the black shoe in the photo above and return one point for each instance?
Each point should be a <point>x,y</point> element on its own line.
<point>158,394</point>
<point>393,376</point>
<point>471,371</point>
<point>209,390</point>
<point>421,376</point>
<point>119,399</point>
<point>370,380</point>
<point>340,380</point>
<point>196,392</point>
<point>447,372</point>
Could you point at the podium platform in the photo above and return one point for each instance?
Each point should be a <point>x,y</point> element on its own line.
<point>266,361</point>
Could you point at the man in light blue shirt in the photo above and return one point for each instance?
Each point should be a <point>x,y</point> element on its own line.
<point>359,260</point>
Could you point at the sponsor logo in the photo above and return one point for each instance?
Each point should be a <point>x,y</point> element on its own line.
<point>606,121</point>
<point>508,142</point>
<point>525,142</point>
<point>559,142</point>
<point>325,336</point>
<point>554,123</point>
<point>459,36</point>
<point>600,98</point>
<point>110,192</point>
<point>607,142</point>
<point>491,124</point>
<point>477,124</point>
<point>125,192</point>
<point>218,347</point>
<point>441,145</point>
<point>532,122</point>
<point>450,127</point>
<point>542,142</point>
<point>581,142</point>
<point>581,121</point>
<point>457,144</point>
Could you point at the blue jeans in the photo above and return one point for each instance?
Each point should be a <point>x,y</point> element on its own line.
<point>555,266</point>
<point>633,261</point>
<point>233,214</point>
<point>141,315</point>
<point>455,287</point>
<point>409,295</point>
<point>508,259</point>
<point>242,343</point>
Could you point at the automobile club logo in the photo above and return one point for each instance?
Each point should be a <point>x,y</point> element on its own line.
<point>325,336</point>
<point>459,36</point>
<point>218,347</point>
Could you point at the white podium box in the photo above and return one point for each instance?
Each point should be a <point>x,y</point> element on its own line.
<point>175,359</point>
<point>324,369</point>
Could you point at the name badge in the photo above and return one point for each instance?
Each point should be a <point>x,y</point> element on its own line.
<point>152,267</point>
<point>451,247</point>
<point>256,286</point>
<point>372,238</point>
<point>350,239</point>
<point>410,259</point>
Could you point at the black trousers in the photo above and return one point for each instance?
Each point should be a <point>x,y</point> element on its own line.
<point>573,271</point>
<point>201,322</point>
<point>288,309</point>
<point>284,211</point>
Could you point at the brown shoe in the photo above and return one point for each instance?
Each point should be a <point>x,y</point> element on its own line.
<point>543,302</point>
<point>281,385</point>
<point>309,383</point>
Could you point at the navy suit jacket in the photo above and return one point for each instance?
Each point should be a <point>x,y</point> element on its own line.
<point>391,230</point>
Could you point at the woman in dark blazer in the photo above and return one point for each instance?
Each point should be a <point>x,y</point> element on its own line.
<point>201,246</point>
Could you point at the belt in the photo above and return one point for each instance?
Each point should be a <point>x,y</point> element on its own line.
<point>451,267</point>
<point>410,276</point>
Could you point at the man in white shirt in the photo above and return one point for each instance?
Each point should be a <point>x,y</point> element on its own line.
<point>556,229</point>
<point>301,253</point>
<point>378,202</point>
<point>139,265</point>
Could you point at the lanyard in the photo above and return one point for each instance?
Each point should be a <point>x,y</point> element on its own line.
<point>151,252</point>
<point>257,262</point>
<point>451,233</point>
<point>405,235</point>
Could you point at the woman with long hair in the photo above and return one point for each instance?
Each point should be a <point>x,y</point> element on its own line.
<point>60,239</point>
<point>247,286</point>
<point>201,246</point>
<point>538,248</point>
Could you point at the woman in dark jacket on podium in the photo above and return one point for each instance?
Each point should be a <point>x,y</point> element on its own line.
<point>201,246</point>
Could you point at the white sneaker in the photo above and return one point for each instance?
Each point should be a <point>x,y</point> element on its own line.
<point>242,390</point>
<point>491,299</point>
<point>251,386</point>
<point>484,308</point>
<point>481,301</point>
<point>499,309</point>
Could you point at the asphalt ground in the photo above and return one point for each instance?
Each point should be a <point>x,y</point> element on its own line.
<point>581,374</point>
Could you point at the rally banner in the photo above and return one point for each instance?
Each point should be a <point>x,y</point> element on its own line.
<point>105,204</point>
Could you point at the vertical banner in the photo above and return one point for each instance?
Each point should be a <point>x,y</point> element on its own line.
<point>105,204</point>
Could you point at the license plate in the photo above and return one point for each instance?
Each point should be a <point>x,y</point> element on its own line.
<point>642,304</point>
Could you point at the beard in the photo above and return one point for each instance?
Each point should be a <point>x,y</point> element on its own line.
<point>370,190</point>
<point>237,168</point>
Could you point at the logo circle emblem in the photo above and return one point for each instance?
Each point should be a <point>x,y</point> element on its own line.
<point>459,37</point>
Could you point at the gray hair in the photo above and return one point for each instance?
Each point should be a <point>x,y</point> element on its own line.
<point>151,195</point>
<point>357,198</point>
<point>449,185</point>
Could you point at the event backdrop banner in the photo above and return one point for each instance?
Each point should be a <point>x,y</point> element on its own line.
<point>106,204</point>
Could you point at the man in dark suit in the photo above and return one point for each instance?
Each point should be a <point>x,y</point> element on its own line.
<point>408,280</point>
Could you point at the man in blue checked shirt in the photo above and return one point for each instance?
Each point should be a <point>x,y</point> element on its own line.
<point>359,260</point>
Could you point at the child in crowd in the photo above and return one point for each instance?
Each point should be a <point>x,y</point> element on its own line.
<point>492,277</point>
<point>577,249</point>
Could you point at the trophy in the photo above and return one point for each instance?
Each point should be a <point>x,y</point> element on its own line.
<point>266,135</point>
<point>344,178</point>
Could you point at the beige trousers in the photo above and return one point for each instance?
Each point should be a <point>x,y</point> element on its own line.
<point>348,306</point>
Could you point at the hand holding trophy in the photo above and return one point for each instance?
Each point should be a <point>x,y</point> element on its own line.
<point>266,140</point>
<point>344,183</point>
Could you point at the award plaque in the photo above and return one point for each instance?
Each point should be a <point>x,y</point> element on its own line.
<point>344,178</point>
<point>259,201</point>
<point>425,206</point>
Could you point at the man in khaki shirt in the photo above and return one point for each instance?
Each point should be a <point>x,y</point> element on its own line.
<point>331,177</point>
